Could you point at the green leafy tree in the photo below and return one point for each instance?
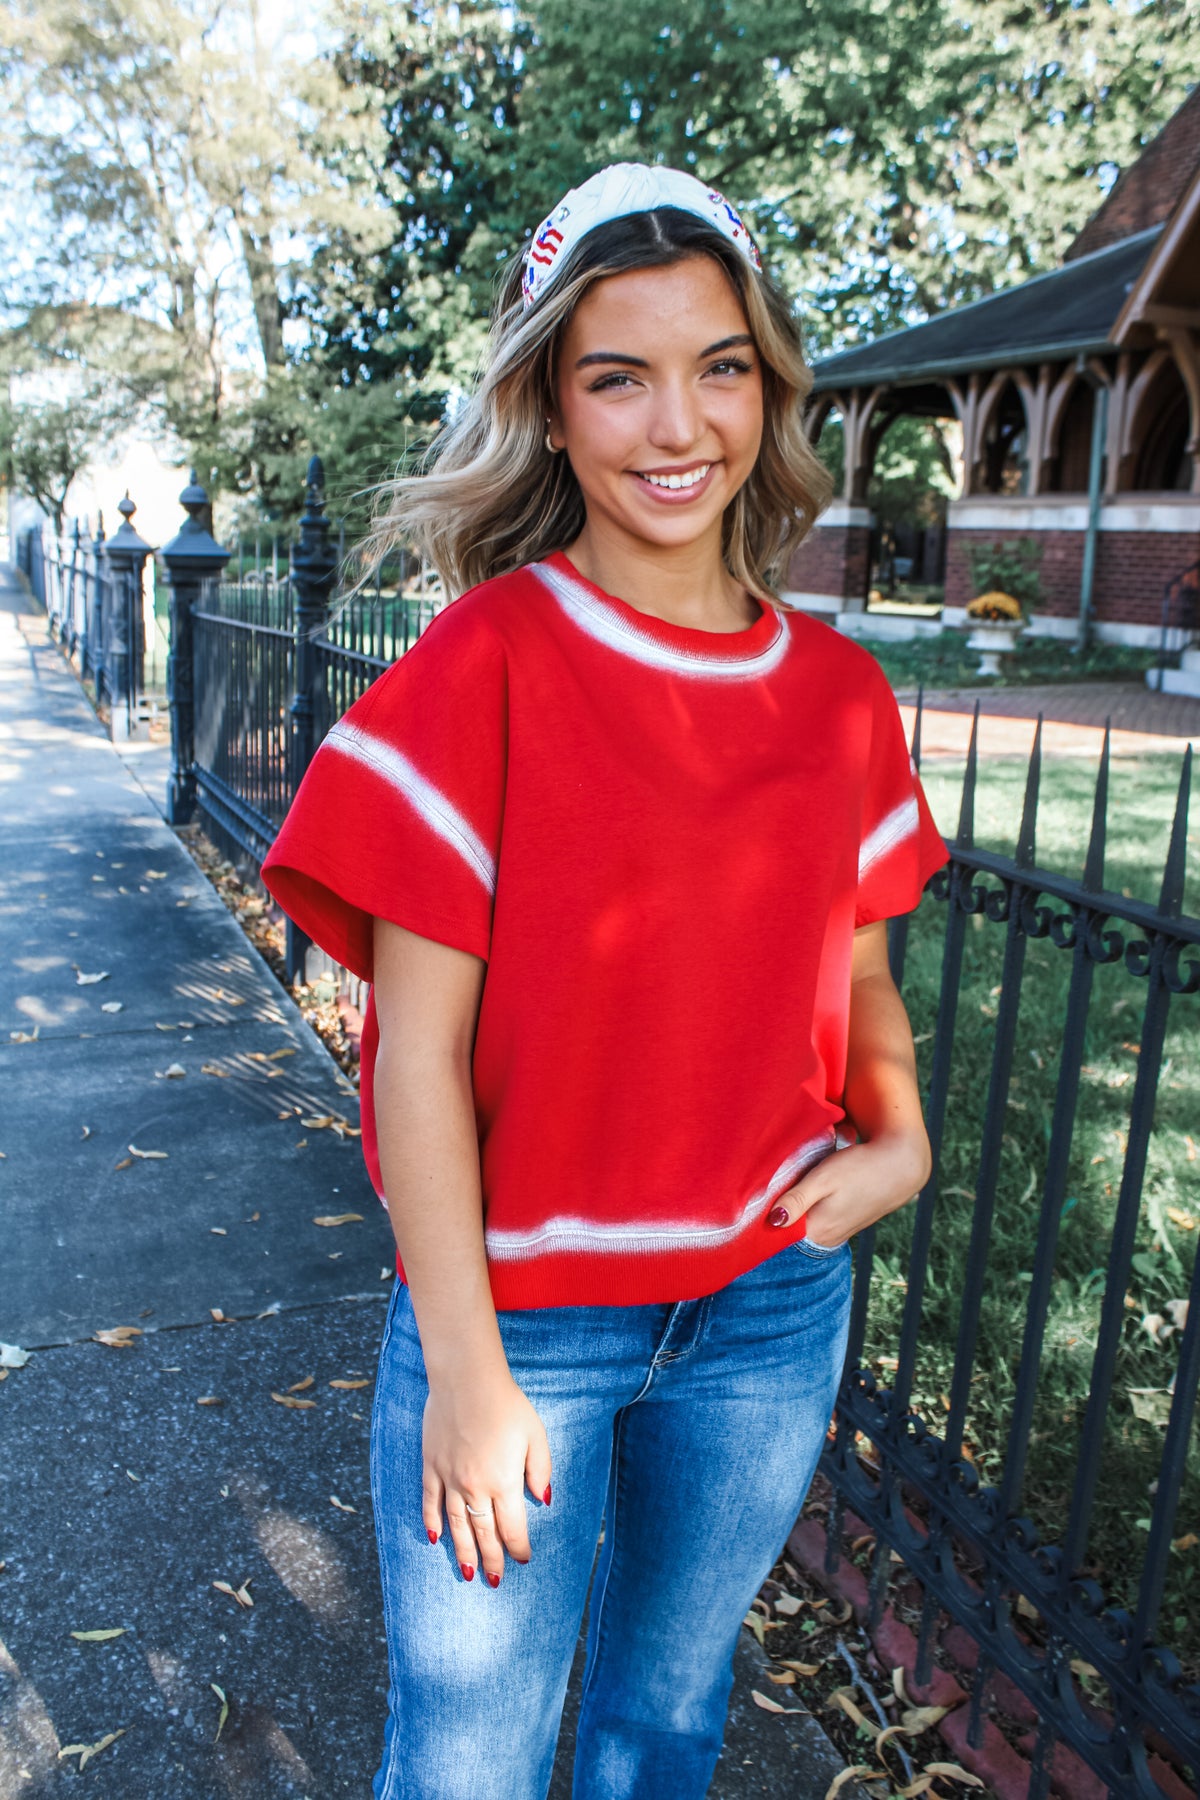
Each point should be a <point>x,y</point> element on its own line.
<point>181,159</point>
<point>44,444</point>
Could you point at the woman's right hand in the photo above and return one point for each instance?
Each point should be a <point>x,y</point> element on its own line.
<point>482,1441</point>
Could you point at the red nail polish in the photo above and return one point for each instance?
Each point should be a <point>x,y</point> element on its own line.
<point>433,1536</point>
<point>493,1581</point>
<point>778,1217</point>
<point>522,1560</point>
<point>546,1496</point>
<point>468,1571</point>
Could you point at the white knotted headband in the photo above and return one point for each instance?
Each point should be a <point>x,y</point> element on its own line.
<point>613,193</point>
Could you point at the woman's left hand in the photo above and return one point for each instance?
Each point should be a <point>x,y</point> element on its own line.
<point>854,1187</point>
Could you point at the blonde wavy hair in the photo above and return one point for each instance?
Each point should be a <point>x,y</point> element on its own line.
<point>489,497</point>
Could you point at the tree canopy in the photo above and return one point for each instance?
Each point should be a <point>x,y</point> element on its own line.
<point>260,236</point>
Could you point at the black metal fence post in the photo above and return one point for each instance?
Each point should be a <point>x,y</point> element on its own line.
<point>192,557</point>
<point>314,568</point>
<point>127,554</point>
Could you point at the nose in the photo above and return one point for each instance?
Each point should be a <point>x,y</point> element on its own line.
<point>675,424</point>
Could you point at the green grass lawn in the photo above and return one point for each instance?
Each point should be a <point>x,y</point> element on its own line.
<point>1141,805</point>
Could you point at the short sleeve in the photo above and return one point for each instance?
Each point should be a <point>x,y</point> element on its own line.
<point>900,846</point>
<point>399,814</point>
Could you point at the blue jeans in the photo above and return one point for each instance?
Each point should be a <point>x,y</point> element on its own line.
<point>693,1430</point>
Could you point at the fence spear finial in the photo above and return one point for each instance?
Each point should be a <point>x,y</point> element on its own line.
<point>915,746</point>
<point>1027,834</point>
<point>966,812</point>
<point>1174,870</point>
<point>1093,867</point>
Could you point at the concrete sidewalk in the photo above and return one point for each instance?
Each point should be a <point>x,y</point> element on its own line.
<point>184,1205</point>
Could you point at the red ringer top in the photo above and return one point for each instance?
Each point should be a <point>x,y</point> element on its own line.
<point>661,840</point>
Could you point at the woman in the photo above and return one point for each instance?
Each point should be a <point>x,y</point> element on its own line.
<point>616,842</point>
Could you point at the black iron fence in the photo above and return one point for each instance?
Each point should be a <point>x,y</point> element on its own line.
<point>265,657</point>
<point>92,590</point>
<point>265,661</point>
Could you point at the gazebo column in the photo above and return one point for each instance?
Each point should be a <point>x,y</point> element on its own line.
<point>830,571</point>
<point>1184,348</point>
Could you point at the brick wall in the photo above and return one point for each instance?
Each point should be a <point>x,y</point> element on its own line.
<point>833,559</point>
<point>1148,189</point>
<point>1132,568</point>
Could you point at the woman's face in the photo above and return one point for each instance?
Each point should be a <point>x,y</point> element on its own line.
<point>659,400</point>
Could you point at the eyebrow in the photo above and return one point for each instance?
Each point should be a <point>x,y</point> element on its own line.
<point>639,362</point>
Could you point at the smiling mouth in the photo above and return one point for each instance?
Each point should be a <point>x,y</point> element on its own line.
<point>692,478</point>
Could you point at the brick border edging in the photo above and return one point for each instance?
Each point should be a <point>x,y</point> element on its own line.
<point>1005,1769</point>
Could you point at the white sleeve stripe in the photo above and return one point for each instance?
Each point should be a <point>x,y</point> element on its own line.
<point>438,812</point>
<point>899,824</point>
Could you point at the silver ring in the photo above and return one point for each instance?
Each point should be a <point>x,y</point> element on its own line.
<point>480,1512</point>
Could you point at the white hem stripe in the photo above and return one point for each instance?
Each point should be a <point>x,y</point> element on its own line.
<point>429,802</point>
<point>899,824</point>
<point>566,1234</point>
<point>620,634</point>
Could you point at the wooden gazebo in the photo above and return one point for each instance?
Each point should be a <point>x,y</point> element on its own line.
<point>1078,398</point>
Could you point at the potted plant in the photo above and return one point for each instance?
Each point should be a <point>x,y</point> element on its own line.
<point>1005,579</point>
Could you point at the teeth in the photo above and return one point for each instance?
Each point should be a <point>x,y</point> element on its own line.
<point>678,481</point>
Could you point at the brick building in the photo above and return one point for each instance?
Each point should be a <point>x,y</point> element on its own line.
<point>1078,399</point>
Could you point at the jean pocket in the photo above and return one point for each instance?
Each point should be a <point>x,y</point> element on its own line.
<point>818,1252</point>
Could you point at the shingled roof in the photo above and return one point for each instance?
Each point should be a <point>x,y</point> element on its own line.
<point>1068,311</point>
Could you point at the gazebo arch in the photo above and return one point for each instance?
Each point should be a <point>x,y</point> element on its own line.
<point>1003,418</point>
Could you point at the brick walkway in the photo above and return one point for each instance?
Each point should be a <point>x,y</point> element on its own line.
<point>1073,719</point>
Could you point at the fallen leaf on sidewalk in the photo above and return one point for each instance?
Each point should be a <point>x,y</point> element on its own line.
<point>338,1219</point>
<point>839,1781</point>
<point>156,874</point>
<point>241,1595</point>
<point>82,980</point>
<point>217,1231</point>
<point>331,1122</point>
<point>843,1697</point>
<point>112,1006</point>
<point>210,1400</point>
<point>754,1621</point>
<point>350,1384</point>
<point>224,1713</point>
<point>275,1055</point>
<point>126,1162</point>
<point>99,1637</point>
<point>159,1026</point>
<point>218,1317</point>
<point>773,1706</point>
<point>86,1130</point>
<point>801,1668</point>
<point>212,1069</point>
<point>919,1719</point>
<point>174,1071</point>
<point>119,1338</point>
<point>787,1679</point>
<point>298,1387</point>
<point>954,1772</point>
<point>290,1400</point>
<point>85,1752</point>
<point>148,1155</point>
<point>787,1604</point>
<point>12,1356</point>
<point>341,1504</point>
<point>23,1037</point>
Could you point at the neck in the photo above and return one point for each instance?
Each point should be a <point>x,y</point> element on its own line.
<point>685,584</point>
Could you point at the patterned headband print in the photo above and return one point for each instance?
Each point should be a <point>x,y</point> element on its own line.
<point>614,193</point>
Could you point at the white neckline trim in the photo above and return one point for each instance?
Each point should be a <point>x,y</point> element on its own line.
<point>609,627</point>
<point>567,1233</point>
